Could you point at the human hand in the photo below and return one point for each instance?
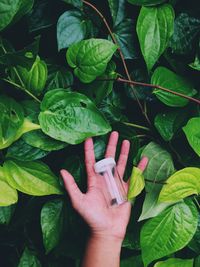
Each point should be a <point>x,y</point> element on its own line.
<point>103,220</point>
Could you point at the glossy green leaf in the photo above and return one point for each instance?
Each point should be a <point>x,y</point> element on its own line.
<point>168,123</point>
<point>8,195</point>
<point>160,167</point>
<point>175,262</point>
<point>24,7</point>
<point>186,28</point>
<point>173,82</point>
<point>117,10</point>
<point>52,217</point>
<point>181,184</point>
<point>126,39</point>
<point>192,132</point>
<point>6,214</point>
<point>22,151</point>
<point>33,178</point>
<point>155,26</point>
<point>71,117</point>
<point>29,258</point>
<point>89,58</point>
<point>32,80</point>
<point>11,120</point>
<point>169,232</point>
<point>71,28</point>
<point>146,2</point>
<point>136,183</point>
<point>8,9</point>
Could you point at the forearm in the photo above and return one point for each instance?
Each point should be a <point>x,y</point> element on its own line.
<point>102,252</point>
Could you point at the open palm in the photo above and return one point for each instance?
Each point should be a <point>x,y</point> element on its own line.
<point>102,218</point>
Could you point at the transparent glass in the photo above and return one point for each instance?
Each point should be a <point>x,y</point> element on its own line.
<point>114,192</point>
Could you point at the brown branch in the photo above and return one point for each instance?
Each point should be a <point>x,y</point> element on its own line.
<point>121,55</point>
<point>160,88</point>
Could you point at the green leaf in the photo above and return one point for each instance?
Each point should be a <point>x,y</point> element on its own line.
<point>22,151</point>
<point>8,9</point>
<point>76,3</point>
<point>192,132</point>
<point>175,262</point>
<point>70,117</point>
<point>28,259</point>
<point>181,184</point>
<point>124,35</point>
<point>117,9</point>
<point>6,214</point>
<point>99,90</point>
<point>197,261</point>
<point>90,57</point>
<point>8,195</point>
<point>160,167</point>
<point>186,28</point>
<point>52,217</point>
<point>136,183</point>
<point>146,2</point>
<point>169,232</point>
<point>11,120</point>
<point>24,8</point>
<point>196,64</point>
<point>32,80</point>
<point>58,77</point>
<point>168,123</point>
<point>154,28</point>
<point>195,242</point>
<point>71,28</point>
<point>173,82</point>
<point>32,177</point>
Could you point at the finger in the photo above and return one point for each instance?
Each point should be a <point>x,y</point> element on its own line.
<point>90,161</point>
<point>71,187</point>
<point>143,163</point>
<point>123,157</point>
<point>112,144</point>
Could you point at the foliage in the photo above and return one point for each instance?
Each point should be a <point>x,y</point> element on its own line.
<point>72,69</point>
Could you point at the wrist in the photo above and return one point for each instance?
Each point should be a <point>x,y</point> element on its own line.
<point>106,237</point>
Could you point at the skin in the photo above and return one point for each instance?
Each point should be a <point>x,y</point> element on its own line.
<point>107,223</point>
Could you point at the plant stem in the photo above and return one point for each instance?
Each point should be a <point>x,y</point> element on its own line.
<point>21,88</point>
<point>159,87</point>
<point>136,126</point>
<point>121,55</point>
<point>197,202</point>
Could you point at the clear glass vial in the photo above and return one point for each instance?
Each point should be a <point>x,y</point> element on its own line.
<point>116,193</point>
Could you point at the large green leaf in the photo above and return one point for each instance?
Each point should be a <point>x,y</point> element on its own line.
<point>146,2</point>
<point>8,9</point>
<point>136,183</point>
<point>126,39</point>
<point>181,184</point>
<point>169,232</point>
<point>117,10</point>
<point>192,132</point>
<point>71,117</point>
<point>11,120</point>
<point>168,79</point>
<point>159,168</point>
<point>52,217</point>
<point>28,259</point>
<point>186,28</point>
<point>32,177</point>
<point>195,242</point>
<point>22,151</point>
<point>71,28</point>
<point>168,123</point>
<point>154,28</point>
<point>175,262</point>
<point>8,195</point>
<point>90,57</point>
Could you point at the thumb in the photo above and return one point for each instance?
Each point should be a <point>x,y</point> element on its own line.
<point>71,187</point>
